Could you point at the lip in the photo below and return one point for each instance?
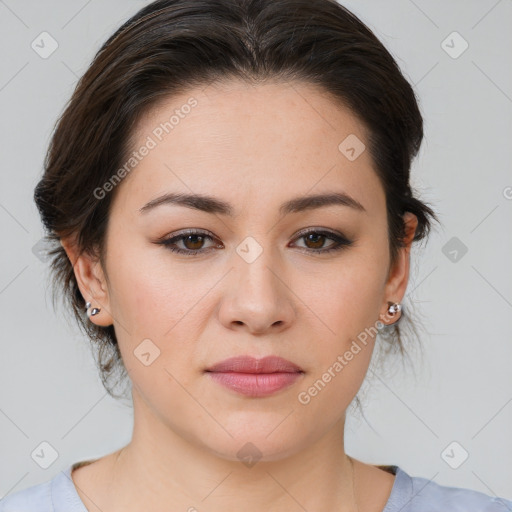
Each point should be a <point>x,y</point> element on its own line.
<point>255,377</point>
<point>248,364</point>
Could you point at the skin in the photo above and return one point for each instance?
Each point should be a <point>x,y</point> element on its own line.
<point>255,147</point>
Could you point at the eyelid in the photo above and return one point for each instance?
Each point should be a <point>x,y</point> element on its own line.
<point>187,231</point>
<point>318,229</point>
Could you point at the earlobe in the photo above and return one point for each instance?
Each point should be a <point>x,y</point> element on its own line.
<point>91,282</point>
<point>393,312</point>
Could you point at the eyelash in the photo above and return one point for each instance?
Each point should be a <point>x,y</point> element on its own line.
<point>341,242</point>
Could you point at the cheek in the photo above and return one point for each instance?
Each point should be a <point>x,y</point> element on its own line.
<point>347,298</point>
<point>157,311</point>
<point>346,306</point>
<point>349,307</point>
<point>147,298</point>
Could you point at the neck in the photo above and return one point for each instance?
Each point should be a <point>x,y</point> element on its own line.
<point>161,467</point>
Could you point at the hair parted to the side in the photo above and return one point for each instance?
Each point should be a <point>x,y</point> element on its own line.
<point>171,46</point>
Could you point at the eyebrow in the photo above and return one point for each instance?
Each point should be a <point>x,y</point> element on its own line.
<point>213,205</point>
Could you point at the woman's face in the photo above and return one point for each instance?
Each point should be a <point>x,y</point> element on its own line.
<point>258,280</point>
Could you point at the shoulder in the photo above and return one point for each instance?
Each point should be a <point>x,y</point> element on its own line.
<point>37,498</point>
<point>55,495</point>
<point>418,494</point>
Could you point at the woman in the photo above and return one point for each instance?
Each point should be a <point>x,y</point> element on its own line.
<point>229,191</point>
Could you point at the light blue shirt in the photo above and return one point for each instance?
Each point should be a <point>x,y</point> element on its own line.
<point>409,494</point>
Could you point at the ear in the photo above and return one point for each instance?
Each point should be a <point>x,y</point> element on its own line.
<point>91,281</point>
<point>398,276</point>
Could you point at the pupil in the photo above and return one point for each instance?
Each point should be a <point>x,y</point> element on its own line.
<point>194,240</point>
<point>316,238</point>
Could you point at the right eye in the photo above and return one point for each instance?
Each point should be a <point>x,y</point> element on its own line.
<point>194,239</point>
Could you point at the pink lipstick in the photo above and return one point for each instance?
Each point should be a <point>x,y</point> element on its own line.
<point>255,377</point>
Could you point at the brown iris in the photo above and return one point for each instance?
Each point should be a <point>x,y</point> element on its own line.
<point>317,239</point>
<point>196,239</point>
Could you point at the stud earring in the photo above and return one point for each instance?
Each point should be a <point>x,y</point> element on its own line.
<point>393,309</point>
<point>93,312</point>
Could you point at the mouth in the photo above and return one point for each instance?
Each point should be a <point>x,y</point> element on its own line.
<point>255,377</point>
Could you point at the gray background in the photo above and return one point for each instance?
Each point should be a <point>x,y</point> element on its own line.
<point>461,387</point>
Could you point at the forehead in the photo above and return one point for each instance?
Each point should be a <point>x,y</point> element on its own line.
<point>251,142</point>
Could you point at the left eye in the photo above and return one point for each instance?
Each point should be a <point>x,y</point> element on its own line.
<point>317,237</point>
<point>193,241</point>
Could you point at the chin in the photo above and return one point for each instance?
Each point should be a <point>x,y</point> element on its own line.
<point>257,441</point>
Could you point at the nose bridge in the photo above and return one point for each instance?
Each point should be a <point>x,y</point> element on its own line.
<point>258,296</point>
<point>257,267</point>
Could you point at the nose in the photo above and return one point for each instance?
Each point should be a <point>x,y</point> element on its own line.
<point>257,296</point>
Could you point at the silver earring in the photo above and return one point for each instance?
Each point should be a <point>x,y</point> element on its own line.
<point>393,309</point>
<point>93,312</point>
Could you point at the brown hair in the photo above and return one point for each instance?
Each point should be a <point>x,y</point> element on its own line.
<point>170,46</point>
